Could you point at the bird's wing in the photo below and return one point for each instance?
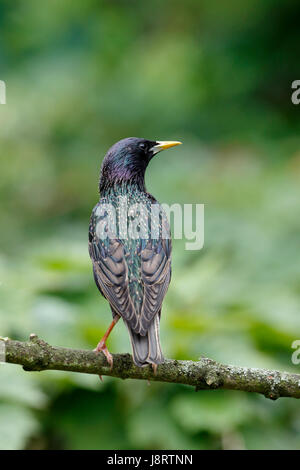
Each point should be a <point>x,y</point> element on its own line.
<point>156,275</point>
<point>111,274</point>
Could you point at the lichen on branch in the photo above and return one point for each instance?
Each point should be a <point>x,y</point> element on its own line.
<point>205,374</point>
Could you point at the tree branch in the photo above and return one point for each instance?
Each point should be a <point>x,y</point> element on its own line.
<point>205,374</point>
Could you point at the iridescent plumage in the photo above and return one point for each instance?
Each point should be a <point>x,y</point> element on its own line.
<point>132,269</point>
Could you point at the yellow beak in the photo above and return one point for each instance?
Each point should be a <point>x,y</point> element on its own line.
<point>164,145</point>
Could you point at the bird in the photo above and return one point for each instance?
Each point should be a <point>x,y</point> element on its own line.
<point>131,261</point>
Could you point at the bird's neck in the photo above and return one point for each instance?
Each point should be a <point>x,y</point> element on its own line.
<point>124,185</point>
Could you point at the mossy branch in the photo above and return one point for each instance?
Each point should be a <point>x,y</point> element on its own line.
<point>205,374</point>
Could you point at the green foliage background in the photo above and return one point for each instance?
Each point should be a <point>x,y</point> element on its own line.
<point>216,75</point>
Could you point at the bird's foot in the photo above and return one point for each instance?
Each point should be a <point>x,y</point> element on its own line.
<point>154,367</point>
<point>103,348</point>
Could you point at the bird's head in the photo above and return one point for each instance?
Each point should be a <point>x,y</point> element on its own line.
<point>127,160</point>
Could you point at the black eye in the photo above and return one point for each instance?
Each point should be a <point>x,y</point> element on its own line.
<point>142,146</point>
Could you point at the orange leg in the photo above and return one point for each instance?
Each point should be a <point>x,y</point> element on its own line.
<point>102,344</point>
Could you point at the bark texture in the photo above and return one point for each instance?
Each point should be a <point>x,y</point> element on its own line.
<point>205,374</point>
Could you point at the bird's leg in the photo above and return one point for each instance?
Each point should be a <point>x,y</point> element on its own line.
<point>102,344</point>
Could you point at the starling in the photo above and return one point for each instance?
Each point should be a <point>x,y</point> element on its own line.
<point>130,249</point>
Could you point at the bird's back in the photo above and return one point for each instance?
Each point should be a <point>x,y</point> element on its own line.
<point>145,219</point>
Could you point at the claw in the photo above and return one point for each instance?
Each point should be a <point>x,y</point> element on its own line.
<point>103,348</point>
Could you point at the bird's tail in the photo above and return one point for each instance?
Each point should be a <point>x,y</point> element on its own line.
<point>146,349</point>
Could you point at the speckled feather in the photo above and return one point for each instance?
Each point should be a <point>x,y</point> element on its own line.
<point>134,250</point>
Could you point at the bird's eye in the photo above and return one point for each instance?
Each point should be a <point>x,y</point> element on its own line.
<point>142,146</point>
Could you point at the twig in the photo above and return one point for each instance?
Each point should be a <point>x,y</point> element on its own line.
<point>205,374</point>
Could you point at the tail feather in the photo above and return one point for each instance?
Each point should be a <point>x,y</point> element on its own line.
<point>146,349</point>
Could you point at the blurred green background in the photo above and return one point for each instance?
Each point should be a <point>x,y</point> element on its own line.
<point>82,75</point>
